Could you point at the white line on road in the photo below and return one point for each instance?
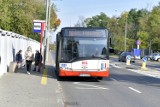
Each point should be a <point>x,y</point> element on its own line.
<point>92,88</point>
<point>88,85</point>
<point>134,90</point>
<point>113,79</point>
<point>114,65</point>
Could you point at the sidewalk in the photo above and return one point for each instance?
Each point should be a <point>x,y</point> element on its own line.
<point>35,90</point>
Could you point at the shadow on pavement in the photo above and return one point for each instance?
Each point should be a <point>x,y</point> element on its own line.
<point>78,79</point>
<point>50,72</point>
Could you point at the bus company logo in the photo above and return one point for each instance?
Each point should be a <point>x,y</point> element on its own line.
<point>63,65</point>
<point>84,64</point>
<point>103,66</point>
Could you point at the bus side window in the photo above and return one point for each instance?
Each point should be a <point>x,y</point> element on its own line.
<point>103,51</point>
<point>75,50</point>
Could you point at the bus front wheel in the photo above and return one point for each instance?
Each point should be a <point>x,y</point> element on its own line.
<point>100,78</point>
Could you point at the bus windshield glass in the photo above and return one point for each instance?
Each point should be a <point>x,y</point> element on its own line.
<point>80,48</point>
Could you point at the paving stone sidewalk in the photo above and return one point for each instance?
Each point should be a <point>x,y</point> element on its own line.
<point>22,90</point>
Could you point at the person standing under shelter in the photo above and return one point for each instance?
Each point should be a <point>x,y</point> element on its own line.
<point>19,58</point>
<point>29,58</point>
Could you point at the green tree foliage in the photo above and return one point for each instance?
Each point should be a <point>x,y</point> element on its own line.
<point>18,15</point>
<point>54,22</point>
<point>101,20</point>
<point>153,27</point>
<point>142,25</point>
<point>143,37</point>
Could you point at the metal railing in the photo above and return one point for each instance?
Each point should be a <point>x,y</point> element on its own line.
<point>10,44</point>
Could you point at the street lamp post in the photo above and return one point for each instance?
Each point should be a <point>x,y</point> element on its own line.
<point>46,30</point>
<point>125,33</point>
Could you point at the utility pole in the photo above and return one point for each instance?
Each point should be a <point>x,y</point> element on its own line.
<point>125,33</point>
<point>49,30</point>
<point>46,30</point>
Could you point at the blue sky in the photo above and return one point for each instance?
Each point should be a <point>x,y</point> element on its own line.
<point>70,10</point>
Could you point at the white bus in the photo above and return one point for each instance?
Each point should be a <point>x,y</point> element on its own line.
<point>82,52</point>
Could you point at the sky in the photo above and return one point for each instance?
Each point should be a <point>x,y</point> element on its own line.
<point>69,11</point>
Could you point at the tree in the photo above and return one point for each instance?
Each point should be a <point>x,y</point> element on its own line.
<point>142,24</point>
<point>80,22</point>
<point>153,26</point>
<point>101,20</point>
<point>18,16</point>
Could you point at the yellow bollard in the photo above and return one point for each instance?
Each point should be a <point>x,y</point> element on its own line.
<point>144,64</point>
<point>128,62</point>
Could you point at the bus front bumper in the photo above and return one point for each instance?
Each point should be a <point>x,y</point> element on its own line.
<point>84,73</point>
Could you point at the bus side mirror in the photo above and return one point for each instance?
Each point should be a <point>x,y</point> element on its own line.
<point>111,50</point>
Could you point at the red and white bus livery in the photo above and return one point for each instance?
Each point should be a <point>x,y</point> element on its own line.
<point>82,52</point>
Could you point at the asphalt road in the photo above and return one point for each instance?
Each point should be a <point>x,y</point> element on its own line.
<point>122,89</point>
<point>150,64</point>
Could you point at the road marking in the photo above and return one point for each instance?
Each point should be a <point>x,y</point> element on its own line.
<point>91,88</point>
<point>44,77</point>
<point>114,65</point>
<point>113,79</point>
<point>145,73</point>
<point>88,85</point>
<point>134,90</point>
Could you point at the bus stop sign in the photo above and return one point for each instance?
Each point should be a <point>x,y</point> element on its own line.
<point>37,25</point>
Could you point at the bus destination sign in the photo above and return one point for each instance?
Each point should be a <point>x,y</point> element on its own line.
<point>87,33</point>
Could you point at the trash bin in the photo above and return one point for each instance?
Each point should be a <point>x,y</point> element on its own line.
<point>12,67</point>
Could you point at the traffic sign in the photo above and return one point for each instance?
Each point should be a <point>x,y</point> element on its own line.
<point>138,42</point>
<point>144,59</point>
<point>128,57</point>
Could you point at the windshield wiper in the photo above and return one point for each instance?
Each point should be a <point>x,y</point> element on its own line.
<point>73,59</point>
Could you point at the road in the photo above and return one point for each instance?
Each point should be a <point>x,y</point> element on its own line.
<point>150,64</point>
<point>122,89</point>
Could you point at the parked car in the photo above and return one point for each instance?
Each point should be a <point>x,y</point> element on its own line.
<point>123,55</point>
<point>148,57</point>
<point>156,57</point>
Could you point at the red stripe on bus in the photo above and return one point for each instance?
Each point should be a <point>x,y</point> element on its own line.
<point>77,73</point>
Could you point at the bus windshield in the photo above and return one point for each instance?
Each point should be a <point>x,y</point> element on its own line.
<point>83,48</point>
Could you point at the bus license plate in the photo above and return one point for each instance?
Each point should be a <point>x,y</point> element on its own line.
<point>84,75</point>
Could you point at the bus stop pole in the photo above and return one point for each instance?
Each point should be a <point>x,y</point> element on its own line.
<point>41,37</point>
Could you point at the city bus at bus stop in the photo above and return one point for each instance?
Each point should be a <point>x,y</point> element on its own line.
<point>82,52</point>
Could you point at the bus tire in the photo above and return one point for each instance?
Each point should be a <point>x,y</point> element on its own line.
<point>100,78</point>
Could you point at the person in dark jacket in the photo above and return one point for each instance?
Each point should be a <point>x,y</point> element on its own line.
<point>38,60</point>
<point>19,58</point>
